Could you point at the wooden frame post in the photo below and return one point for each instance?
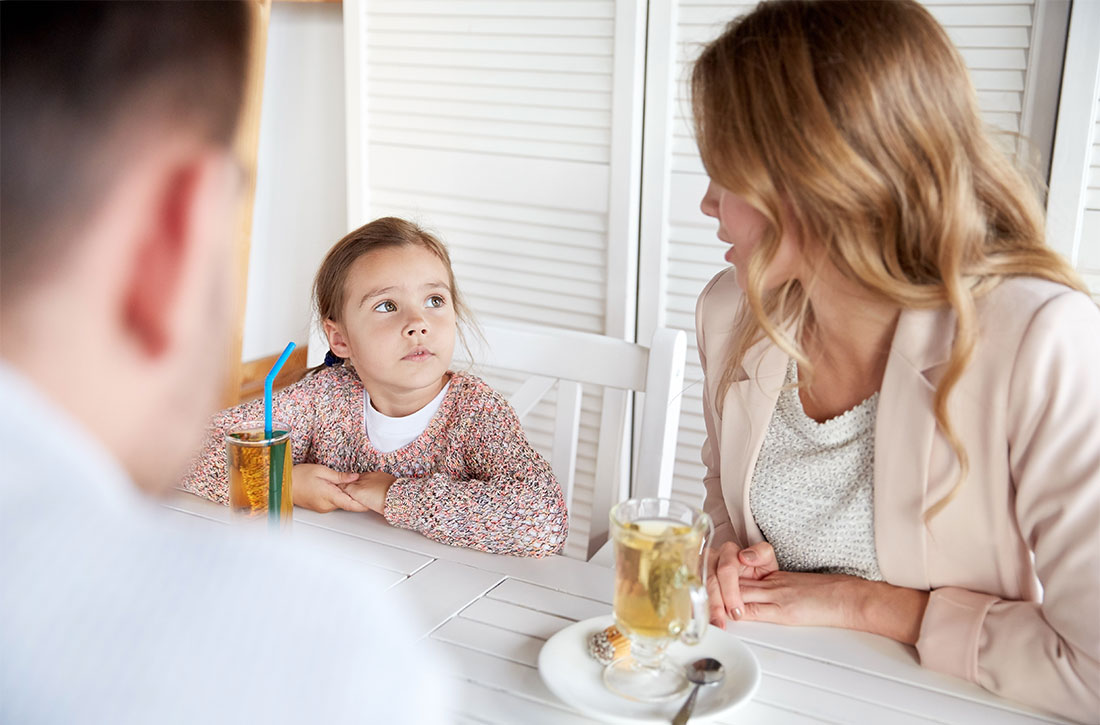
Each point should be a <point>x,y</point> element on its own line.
<point>246,146</point>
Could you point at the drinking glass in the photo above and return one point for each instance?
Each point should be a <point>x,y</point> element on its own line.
<point>259,472</point>
<point>660,593</point>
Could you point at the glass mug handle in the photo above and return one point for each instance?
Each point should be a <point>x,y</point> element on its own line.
<point>695,630</point>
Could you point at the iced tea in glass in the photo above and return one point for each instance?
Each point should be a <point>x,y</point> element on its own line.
<point>259,472</point>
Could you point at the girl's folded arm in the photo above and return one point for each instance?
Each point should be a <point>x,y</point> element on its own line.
<point>208,475</point>
<point>509,503</point>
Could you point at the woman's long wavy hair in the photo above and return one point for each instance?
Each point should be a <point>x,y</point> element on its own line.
<point>857,121</point>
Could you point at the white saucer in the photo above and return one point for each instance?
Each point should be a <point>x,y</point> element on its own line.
<point>571,674</point>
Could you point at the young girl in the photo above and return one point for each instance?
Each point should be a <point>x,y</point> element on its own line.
<point>386,426</point>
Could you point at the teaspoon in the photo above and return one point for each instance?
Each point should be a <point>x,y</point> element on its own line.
<point>705,671</point>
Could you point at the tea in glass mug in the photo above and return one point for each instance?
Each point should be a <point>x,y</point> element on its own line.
<point>255,462</point>
<point>660,592</point>
<point>655,563</point>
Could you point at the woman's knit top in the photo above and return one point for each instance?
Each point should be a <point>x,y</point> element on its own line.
<point>811,491</point>
<point>470,479</point>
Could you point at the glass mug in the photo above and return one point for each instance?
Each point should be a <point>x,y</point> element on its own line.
<point>660,593</point>
<point>259,472</point>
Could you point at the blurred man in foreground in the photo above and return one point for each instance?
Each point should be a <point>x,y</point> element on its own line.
<point>119,195</point>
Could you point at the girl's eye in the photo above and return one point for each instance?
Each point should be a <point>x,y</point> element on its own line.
<point>386,306</point>
<point>435,301</point>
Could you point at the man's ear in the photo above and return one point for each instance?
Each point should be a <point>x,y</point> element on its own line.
<point>168,246</point>
<point>337,340</point>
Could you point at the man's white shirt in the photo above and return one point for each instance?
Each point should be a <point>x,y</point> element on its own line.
<point>113,610</point>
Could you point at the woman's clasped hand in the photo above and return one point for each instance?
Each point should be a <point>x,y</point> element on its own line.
<point>747,584</point>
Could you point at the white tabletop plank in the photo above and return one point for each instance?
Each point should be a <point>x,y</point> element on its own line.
<point>493,672</point>
<point>460,719</point>
<point>555,572</point>
<point>930,704</point>
<point>542,599</point>
<point>885,663</point>
<point>757,712</point>
<point>440,590</point>
<point>829,705</point>
<point>388,565</point>
<point>192,518</point>
<point>515,617</point>
<point>188,503</point>
<point>368,552</point>
<point>384,576</point>
<point>503,708</point>
<point>512,646</point>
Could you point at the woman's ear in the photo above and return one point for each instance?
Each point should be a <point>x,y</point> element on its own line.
<point>337,339</point>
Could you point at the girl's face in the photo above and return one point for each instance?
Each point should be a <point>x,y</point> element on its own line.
<point>742,226</point>
<point>398,326</point>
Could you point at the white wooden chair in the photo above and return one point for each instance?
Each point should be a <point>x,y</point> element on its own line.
<point>547,357</point>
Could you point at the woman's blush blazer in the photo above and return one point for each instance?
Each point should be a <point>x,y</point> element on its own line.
<point>1013,561</point>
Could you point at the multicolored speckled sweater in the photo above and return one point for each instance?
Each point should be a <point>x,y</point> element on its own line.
<point>471,478</point>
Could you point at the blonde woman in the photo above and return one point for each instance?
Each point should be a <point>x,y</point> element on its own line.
<point>901,390</point>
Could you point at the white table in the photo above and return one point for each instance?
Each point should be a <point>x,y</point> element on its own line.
<point>488,616</point>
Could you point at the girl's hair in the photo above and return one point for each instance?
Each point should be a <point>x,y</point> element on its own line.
<point>857,118</point>
<point>388,232</point>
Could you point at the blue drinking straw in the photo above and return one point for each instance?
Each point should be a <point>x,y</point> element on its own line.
<point>275,469</point>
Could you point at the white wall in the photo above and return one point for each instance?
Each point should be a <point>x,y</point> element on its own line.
<point>301,190</point>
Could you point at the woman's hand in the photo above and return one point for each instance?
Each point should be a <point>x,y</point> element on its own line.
<point>726,567</point>
<point>800,598</point>
<point>835,600</point>
<point>319,488</point>
<point>370,489</point>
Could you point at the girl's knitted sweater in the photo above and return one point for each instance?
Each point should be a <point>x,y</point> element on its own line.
<point>470,479</point>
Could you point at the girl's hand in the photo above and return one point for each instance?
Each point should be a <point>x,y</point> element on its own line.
<point>319,488</point>
<point>726,567</point>
<point>370,489</point>
<point>835,600</point>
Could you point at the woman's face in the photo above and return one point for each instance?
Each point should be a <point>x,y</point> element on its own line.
<point>742,226</point>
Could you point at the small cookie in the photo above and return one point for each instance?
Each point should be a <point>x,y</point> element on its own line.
<point>608,645</point>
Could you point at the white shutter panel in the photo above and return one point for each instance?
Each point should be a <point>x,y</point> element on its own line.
<point>1089,257</point>
<point>679,250</point>
<point>512,129</point>
<point>1073,206</point>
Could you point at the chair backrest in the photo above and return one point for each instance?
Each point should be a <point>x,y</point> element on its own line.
<point>627,375</point>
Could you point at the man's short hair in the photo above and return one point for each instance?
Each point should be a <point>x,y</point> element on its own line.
<point>79,79</point>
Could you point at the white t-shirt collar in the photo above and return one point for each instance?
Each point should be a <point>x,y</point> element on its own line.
<point>388,434</point>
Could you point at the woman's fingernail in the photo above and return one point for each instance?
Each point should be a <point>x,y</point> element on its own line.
<point>735,613</point>
<point>748,555</point>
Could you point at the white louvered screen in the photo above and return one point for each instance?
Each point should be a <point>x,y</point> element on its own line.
<point>1073,206</point>
<point>1089,261</point>
<point>512,129</point>
<point>1088,254</point>
<point>679,250</point>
